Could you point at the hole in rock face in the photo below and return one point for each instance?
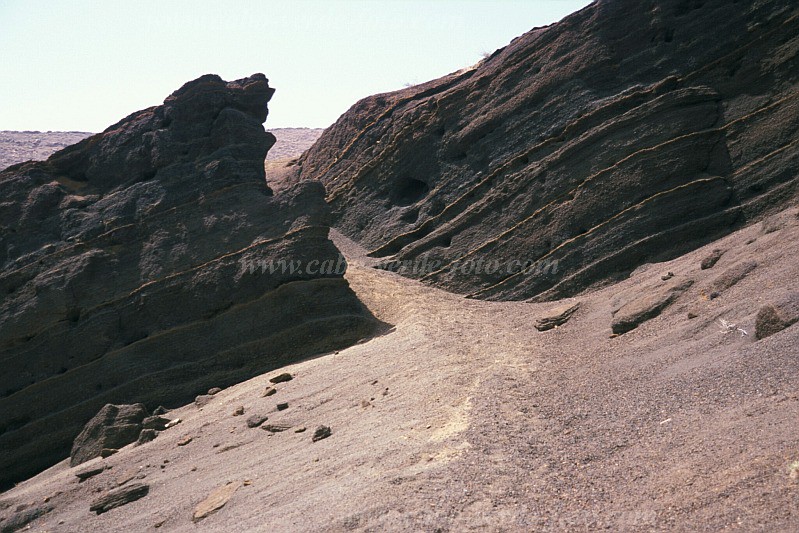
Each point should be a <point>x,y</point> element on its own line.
<point>408,191</point>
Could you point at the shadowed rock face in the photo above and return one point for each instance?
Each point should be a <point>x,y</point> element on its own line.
<point>123,274</point>
<point>630,132</point>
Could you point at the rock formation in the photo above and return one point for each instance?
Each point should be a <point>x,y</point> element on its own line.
<point>630,132</point>
<point>114,427</point>
<point>134,269</point>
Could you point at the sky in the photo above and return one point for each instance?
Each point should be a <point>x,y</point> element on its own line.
<point>75,65</point>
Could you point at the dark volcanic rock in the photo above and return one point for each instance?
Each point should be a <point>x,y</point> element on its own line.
<point>119,496</point>
<point>155,422</point>
<point>146,435</point>
<point>281,378</point>
<point>322,432</point>
<point>114,427</point>
<point>630,132</point>
<point>135,269</point>
<point>83,475</point>
<point>256,420</point>
<point>777,316</point>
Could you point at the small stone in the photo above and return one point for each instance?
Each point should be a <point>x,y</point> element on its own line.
<point>691,316</point>
<point>247,482</point>
<point>711,260</point>
<point>256,420</point>
<point>193,468</point>
<point>202,400</point>
<point>146,435</point>
<point>365,403</point>
<point>714,295</point>
<point>282,406</point>
<point>269,391</point>
<point>216,500</point>
<point>281,378</point>
<point>160,410</point>
<point>83,475</point>
<point>173,423</point>
<point>107,452</point>
<point>239,411</point>
<point>275,428</point>
<point>667,277</point>
<point>300,430</point>
<point>119,496</point>
<point>322,432</point>
<point>155,422</point>
<point>185,440</point>
<point>214,390</point>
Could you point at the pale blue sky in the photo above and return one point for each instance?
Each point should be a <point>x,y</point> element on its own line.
<point>83,65</point>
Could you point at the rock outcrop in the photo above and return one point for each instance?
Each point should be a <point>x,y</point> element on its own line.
<point>150,262</point>
<point>114,427</point>
<point>630,132</point>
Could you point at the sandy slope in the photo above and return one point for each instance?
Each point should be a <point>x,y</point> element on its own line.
<point>464,417</point>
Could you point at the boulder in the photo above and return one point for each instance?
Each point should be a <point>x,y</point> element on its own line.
<point>777,316</point>
<point>114,427</point>
<point>151,262</point>
<point>119,496</point>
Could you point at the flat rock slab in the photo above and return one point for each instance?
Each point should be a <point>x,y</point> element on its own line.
<point>85,474</point>
<point>276,428</point>
<point>216,500</point>
<point>556,317</point>
<point>256,420</point>
<point>281,378</point>
<point>119,497</point>
<point>646,307</point>
<point>777,316</point>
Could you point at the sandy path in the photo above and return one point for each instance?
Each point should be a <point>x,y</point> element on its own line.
<point>463,417</point>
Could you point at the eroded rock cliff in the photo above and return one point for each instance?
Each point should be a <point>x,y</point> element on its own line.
<point>134,269</point>
<point>630,132</point>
